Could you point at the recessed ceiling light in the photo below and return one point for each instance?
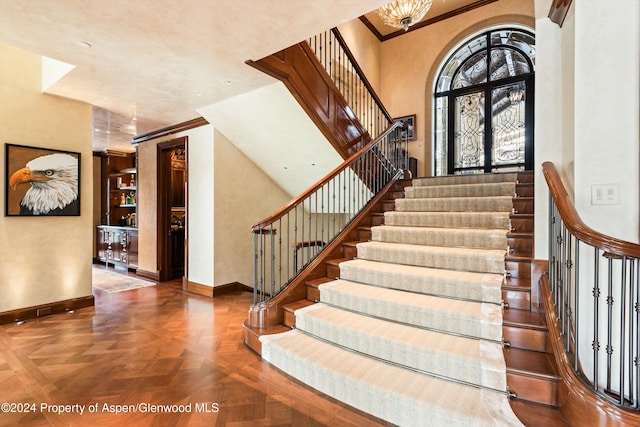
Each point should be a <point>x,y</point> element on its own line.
<point>83,43</point>
<point>198,94</point>
<point>227,82</point>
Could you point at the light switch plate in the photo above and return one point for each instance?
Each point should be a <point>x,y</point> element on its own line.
<point>605,194</point>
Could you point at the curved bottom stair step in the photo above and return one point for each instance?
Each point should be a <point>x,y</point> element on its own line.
<point>467,360</point>
<point>394,394</point>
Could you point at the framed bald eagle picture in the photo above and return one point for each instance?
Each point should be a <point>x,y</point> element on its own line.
<point>41,181</point>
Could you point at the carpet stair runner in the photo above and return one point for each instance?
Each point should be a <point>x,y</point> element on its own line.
<point>411,331</point>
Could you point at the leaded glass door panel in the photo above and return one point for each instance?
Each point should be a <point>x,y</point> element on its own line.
<point>469,132</point>
<point>508,124</point>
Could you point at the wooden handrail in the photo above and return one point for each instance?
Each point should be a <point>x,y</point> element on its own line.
<point>574,223</point>
<point>360,73</point>
<point>299,199</point>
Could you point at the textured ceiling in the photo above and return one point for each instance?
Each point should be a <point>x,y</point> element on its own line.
<point>161,60</point>
<point>147,64</point>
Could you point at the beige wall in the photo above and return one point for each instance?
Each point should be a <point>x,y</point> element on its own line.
<point>244,195</point>
<point>366,48</point>
<point>97,198</point>
<point>42,259</point>
<point>147,193</point>
<point>220,218</point>
<point>410,63</point>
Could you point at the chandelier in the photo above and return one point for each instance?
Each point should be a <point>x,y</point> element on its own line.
<point>404,13</point>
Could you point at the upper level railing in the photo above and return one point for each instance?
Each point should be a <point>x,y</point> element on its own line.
<point>595,285</point>
<point>336,58</point>
<point>285,242</point>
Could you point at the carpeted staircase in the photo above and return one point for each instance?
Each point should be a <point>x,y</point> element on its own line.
<point>411,331</point>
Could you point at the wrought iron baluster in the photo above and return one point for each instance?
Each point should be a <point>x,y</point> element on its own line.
<point>279,252</point>
<point>636,359</point>
<point>569,271</point>
<point>623,303</point>
<point>609,348</point>
<point>576,307</point>
<point>596,311</point>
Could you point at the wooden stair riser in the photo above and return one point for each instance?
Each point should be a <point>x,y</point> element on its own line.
<point>533,389</point>
<point>313,293</point>
<point>525,339</point>
<point>526,177</point>
<point>333,269</point>
<point>517,293</point>
<point>520,244</point>
<point>522,223</point>
<point>289,318</point>
<point>388,205</point>
<point>350,250</point>
<point>289,311</point>
<point>523,205</point>
<point>517,299</point>
<point>364,234</point>
<point>525,190</point>
<point>377,219</point>
<point>518,268</point>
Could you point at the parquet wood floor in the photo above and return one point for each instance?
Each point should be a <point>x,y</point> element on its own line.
<point>153,346</point>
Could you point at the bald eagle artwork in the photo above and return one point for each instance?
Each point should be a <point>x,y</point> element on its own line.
<point>53,180</point>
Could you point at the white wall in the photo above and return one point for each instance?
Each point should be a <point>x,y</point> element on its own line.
<point>607,58</point>
<point>548,122</point>
<point>270,127</point>
<point>587,109</point>
<point>200,196</point>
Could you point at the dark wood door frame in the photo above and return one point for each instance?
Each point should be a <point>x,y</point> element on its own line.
<point>164,218</point>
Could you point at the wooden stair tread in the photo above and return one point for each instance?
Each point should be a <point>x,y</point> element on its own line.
<point>317,282</point>
<point>520,235</point>
<point>517,283</point>
<point>336,261</point>
<point>521,216</point>
<point>291,307</point>
<point>537,415</point>
<point>516,258</point>
<point>525,319</point>
<point>267,331</point>
<point>531,363</point>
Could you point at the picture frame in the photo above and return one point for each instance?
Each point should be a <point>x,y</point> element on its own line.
<point>409,123</point>
<point>41,181</point>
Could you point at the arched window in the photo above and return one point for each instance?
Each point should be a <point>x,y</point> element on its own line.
<point>484,105</point>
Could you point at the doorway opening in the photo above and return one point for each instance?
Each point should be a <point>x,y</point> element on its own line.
<point>172,209</point>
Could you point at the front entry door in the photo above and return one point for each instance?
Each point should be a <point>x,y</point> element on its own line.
<point>504,142</point>
<point>484,105</point>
